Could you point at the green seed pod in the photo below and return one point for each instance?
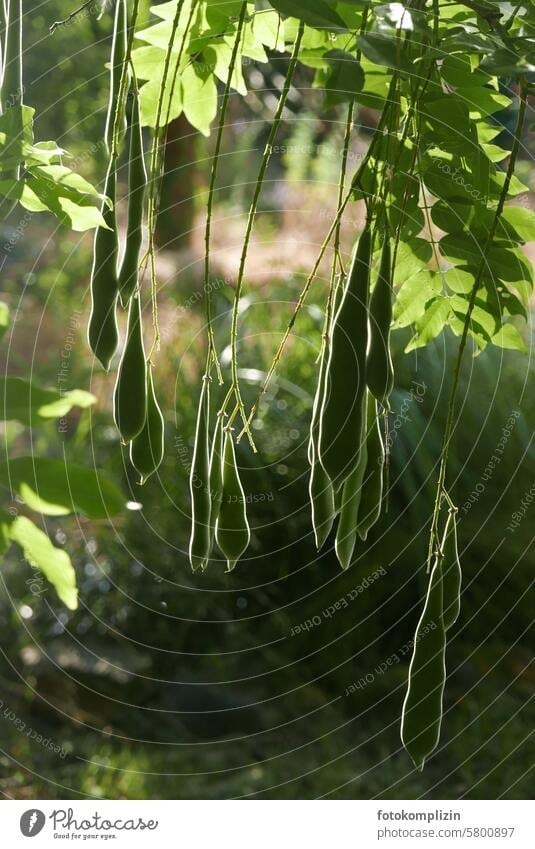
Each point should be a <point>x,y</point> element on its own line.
<point>103,334</point>
<point>117,58</point>
<point>451,572</point>
<point>147,448</point>
<point>130,396</point>
<point>379,368</point>
<point>216,475</point>
<point>320,487</point>
<point>345,377</point>
<point>346,532</point>
<point>422,709</point>
<point>372,488</point>
<point>199,483</point>
<point>232,529</point>
<point>321,495</point>
<point>137,183</point>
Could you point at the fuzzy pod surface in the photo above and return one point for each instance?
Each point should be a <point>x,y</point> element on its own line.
<point>199,482</point>
<point>103,334</point>
<point>451,572</point>
<point>130,396</point>
<point>379,367</point>
<point>137,184</point>
<point>372,488</point>
<point>422,709</point>
<point>147,448</point>
<point>345,377</point>
<point>347,530</point>
<point>232,530</point>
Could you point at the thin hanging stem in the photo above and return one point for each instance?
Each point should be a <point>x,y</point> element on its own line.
<point>448,430</point>
<point>341,186</point>
<point>304,292</point>
<point>336,246</point>
<point>53,27</point>
<point>212,351</point>
<point>123,84</point>
<point>249,228</point>
<point>153,180</point>
<point>165,127</point>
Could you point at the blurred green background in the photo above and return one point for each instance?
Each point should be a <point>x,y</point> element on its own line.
<point>165,684</point>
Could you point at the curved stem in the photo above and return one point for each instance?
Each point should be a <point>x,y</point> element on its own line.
<point>212,351</point>
<point>341,185</point>
<point>123,83</point>
<point>153,178</point>
<point>448,430</point>
<point>250,222</point>
<point>304,292</point>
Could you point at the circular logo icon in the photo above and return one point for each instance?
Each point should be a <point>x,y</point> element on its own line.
<point>32,822</point>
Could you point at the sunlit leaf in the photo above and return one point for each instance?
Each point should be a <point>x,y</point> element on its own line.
<point>54,563</point>
<point>57,487</point>
<point>24,401</point>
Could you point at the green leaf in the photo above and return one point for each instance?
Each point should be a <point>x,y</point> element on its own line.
<point>217,58</point>
<point>482,101</point>
<point>508,265</point>
<point>69,180</point>
<point>460,280</point>
<point>384,49</point>
<point>414,295</point>
<point>457,72</point>
<point>509,337</point>
<point>453,217</point>
<point>522,220</point>
<point>412,257</point>
<point>268,29</point>
<point>345,78</point>
<point>4,318</point>
<point>451,182</point>
<point>506,63</point>
<point>5,524</point>
<point>482,318</point>
<point>57,487</point>
<point>54,563</point>
<point>67,195</point>
<point>430,324</point>
<point>16,131</point>
<point>447,115</point>
<point>315,13</point>
<point>222,10</point>
<point>199,97</point>
<point>39,193</point>
<point>28,403</point>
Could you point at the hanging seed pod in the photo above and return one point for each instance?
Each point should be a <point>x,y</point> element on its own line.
<point>147,448</point>
<point>320,487</point>
<point>137,183</point>
<point>379,368</point>
<point>346,532</point>
<point>216,475</point>
<point>117,59</point>
<point>372,487</point>
<point>130,397</point>
<point>103,335</point>
<point>199,482</point>
<point>422,709</point>
<point>345,377</point>
<point>232,530</point>
<point>451,572</point>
